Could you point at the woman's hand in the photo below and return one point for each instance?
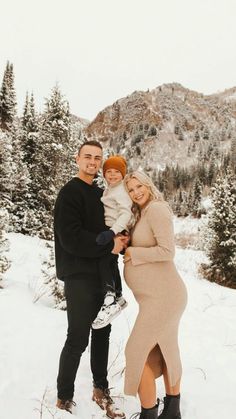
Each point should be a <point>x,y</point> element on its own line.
<point>127,255</point>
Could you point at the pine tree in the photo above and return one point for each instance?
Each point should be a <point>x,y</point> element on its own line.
<point>20,179</point>
<point>212,172</point>
<point>206,134</point>
<point>30,127</point>
<point>54,163</point>
<point>196,136</point>
<point>177,177</point>
<point>7,98</point>
<point>190,202</point>
<point>24,137</point>
<point>196,199</point>
<point>220,234</point>
<point>181,136</point>
<point>202,173</point>
<point>177,202</point>
<point>177,129</point>
<point>152,131</point>
<point>6,170</point>
<point>4,243</point>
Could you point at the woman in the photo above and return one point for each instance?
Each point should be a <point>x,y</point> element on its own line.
<point>152,349</point>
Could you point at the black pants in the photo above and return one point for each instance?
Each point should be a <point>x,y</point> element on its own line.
<point>109,273</point>
<point>84,297</point>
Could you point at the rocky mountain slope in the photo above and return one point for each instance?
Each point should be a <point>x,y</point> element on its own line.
<point>169,124</point>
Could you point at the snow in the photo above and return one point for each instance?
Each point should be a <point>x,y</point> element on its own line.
<point>231,97</point>
<point>33,333</point>
<point>186,225</point>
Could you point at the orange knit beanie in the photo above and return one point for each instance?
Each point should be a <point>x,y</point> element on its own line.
<point>115,162</point>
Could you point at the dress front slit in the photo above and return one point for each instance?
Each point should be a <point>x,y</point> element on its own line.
<point>161,295</point>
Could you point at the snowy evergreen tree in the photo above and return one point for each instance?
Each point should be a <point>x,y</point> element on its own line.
<point>220,234</point>
<point>189,202</point>
<point>20,179</point>
<point>152,131</point>
<point>196,136</point>
<point>13,175</point>
<point>6,170</point>
<point>180,205</point>
<point>177,129</point>
<point>54,159</point>
<point>212,172</point>
<point>202,173</point>
<point>30,222</point>
<point>7,98</point>
<point>206,134</point>
<point>196,198</point>
<point>30,127</point>
<point>4,243</point>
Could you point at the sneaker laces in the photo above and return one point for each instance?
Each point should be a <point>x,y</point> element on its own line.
<point>104,310</point>
<point>101,314</point>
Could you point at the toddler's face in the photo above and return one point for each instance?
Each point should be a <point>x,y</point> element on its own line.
<point>113,176</point>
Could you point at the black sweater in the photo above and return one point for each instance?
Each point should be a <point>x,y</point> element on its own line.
<point>78,218</point>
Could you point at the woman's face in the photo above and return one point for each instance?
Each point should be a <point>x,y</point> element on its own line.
<point>138,192</point>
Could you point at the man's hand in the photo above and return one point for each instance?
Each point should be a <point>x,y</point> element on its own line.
<point>118,245</point>
<point>105,237</point>
<point>126,240</point>
<point>125,236</point>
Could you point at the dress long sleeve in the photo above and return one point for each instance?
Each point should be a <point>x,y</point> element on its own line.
<point>159,219</point>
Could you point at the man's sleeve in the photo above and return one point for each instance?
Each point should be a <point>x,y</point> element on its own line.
<point>72,236</point>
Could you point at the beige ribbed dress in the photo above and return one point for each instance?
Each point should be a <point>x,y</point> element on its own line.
<point>160,293</point>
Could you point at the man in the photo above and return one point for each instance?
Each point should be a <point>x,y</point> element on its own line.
<point>79,217</point>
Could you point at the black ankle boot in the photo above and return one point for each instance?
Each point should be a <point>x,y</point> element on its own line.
<point>151,413</point>
<point>171,408</point>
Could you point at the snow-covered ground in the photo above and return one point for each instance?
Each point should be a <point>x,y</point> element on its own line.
<point>187,232</point>
<point>33,333</point>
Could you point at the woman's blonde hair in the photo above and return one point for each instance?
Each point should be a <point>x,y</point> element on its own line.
<point>155,194</point>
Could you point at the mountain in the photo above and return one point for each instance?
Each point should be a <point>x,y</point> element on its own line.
<point>169,124</point>
<point>228,95</point>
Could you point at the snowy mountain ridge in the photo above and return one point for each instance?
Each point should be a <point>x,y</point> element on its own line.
<point>166,122</point>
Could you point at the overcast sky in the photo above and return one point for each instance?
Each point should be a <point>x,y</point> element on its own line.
<point>101,50</point>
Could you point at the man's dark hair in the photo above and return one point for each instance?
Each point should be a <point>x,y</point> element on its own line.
<point>91,142</point>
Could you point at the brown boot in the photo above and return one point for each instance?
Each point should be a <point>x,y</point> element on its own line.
<point>103,399</point>
<point>65,405</point>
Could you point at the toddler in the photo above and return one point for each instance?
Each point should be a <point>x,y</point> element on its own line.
<point>117,209</point>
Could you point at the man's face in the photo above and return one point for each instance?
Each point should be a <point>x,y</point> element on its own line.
<point>89,160</point>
